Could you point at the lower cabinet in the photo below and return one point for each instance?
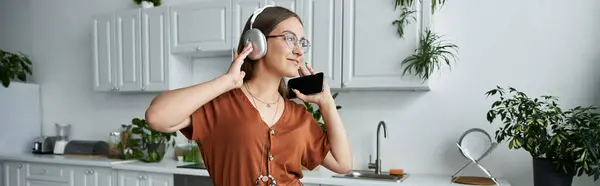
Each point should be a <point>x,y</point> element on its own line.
<point>47,174</point>
<point>136,178</point>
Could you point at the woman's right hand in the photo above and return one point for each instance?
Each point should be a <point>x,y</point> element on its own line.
<point>235,74</point>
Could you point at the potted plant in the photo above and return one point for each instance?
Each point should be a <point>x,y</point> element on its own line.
<point>562,143</point>
<point>148,3</point>
<point>432,52</point>
<point>13,66</point>
<point>146,144</point>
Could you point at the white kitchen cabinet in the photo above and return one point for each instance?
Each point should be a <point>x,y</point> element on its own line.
<point>325,55</point>
<point>131,52</point>
<point>372,51</point>
<point>13,174</point>
<point>202,27</point>
<point>94,176</point>
<point>136,178</point>
<point>357,48</point>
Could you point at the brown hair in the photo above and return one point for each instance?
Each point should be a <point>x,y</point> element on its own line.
<point>266,22</point>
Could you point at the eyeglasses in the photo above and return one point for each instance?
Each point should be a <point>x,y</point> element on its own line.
<point>292,41</point>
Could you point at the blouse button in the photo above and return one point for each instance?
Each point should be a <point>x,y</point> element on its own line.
<point>270,157</point>
<point>272,132</point>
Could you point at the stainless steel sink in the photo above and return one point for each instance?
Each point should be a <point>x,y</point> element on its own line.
<point>370,175</point>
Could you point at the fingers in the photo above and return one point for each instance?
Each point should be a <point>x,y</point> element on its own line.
<point>310,69</point>
<point>303,71</point>
<point>239,60</point>
<point>299,95</point>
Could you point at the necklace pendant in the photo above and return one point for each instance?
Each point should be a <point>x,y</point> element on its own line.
<point>269,105</point>
<point>265,179</point>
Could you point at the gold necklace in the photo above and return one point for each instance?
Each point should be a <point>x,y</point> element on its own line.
<point>254,97</point>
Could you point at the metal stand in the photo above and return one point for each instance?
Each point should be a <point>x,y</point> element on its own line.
<point>472,160</point>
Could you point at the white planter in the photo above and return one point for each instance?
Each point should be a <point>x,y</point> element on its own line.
<point>147,4</point>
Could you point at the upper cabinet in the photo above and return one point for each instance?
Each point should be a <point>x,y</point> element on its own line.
<point>201,27</point>
<point>372,51</point>
<point>131,52</point>
<point>353,42</point>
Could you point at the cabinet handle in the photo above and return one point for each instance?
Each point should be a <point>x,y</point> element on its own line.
<point>20,166</point>
<point>144,88</point>
<point>198,49</point>
<point>91,171</point>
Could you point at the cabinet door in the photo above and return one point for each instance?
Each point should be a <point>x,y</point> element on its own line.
<point>45,183</point>
<point>13,174</point>
<point>103,53</point>
<point>130,178</point>
<point>158,179</point>
<point>293,5</point>
<point>242,11</point>
<point>201,26</point>
<point>373,51</point>
<point>91,176</point>
<point>127,33</point>
<point>323,33</point>
<point>155,54</point>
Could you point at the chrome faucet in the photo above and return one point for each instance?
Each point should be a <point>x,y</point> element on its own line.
<point>377,164</point>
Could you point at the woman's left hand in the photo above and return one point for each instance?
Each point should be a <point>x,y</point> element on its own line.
<point>319,98</point>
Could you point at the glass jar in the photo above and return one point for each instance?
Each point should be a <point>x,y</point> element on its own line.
<point>113,143</point>
<point>191,153</point>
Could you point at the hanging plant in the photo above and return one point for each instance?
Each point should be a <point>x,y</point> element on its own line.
<point>403,20</point>
<point>409,3</point>
<point>154,2</point>
<point>431,53</point>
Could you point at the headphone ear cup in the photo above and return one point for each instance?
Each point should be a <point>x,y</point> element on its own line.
<point>259,43</point>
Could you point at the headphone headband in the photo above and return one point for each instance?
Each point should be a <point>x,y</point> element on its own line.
<point>255,14</point>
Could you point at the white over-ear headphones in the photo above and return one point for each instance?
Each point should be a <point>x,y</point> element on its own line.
<point>256,37</point>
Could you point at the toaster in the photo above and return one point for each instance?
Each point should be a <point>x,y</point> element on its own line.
<point>43,145</point>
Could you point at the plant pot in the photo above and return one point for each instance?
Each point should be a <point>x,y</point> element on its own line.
<point>545,174</point>
<point>155,152</point>
<point>147,4</point>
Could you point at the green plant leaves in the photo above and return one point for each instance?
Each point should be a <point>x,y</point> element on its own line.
<point>14,66</point>
<point>537,124</point>
<point>316,113</point>
<point>147,147</point>
<point>431,53</point>
<point>404,19</point>
<point>409,3</point>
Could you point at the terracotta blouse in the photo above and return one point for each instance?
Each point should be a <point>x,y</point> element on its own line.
<point>237,145</point>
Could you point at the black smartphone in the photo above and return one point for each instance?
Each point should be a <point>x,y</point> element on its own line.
<point>307,85</point>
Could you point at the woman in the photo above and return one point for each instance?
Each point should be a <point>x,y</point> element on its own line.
<point>248,131</point>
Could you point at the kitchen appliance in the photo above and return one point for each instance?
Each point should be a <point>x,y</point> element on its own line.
<point>87,147</point>
<point>43,145</point>
<point>21,124</point>
<point>62,137</point>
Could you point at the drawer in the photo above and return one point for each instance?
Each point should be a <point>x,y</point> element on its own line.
<point>47,172</point>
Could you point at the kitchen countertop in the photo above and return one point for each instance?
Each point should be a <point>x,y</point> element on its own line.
<point>169,166</point>
<point>69,160</point>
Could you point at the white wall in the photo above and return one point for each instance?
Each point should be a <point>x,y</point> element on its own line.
<point>550,50</point>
